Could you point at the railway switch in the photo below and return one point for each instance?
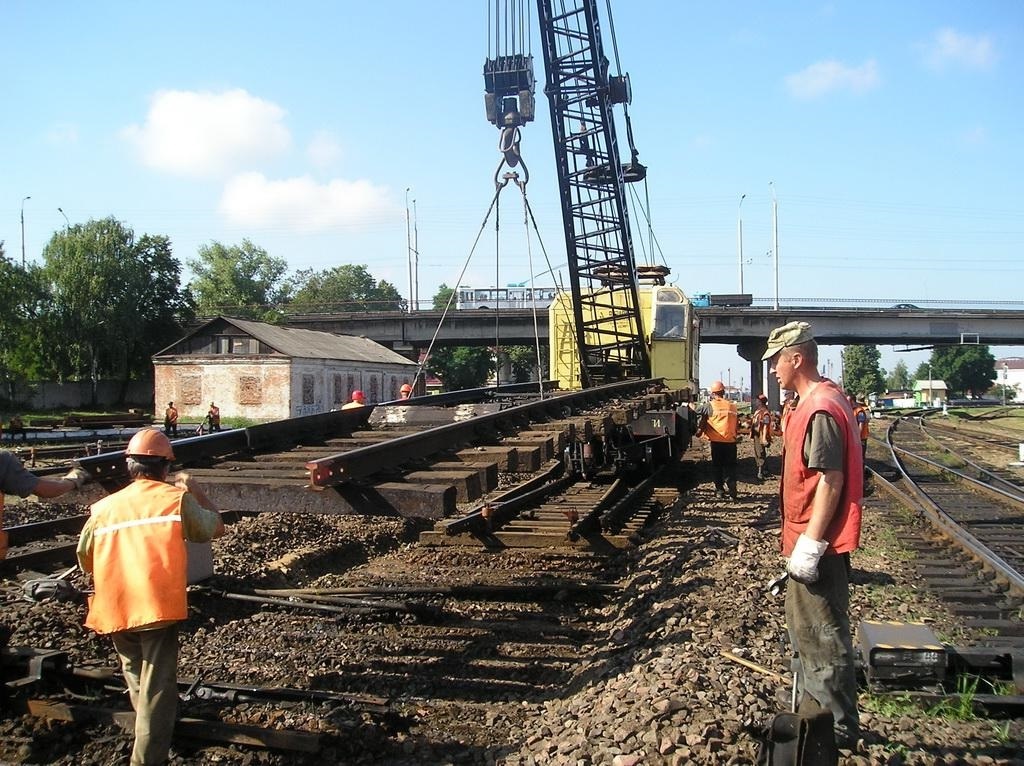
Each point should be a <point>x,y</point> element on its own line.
<point>902,654</point>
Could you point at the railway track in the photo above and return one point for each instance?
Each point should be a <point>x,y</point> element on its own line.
<point>975,559</point>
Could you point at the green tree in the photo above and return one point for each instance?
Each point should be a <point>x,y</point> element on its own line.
<point>524,361</point>
<point>461,367</point>
<point>965,368</point>
<point>343,288</point>
<point>240,280</point>
<point>861,373</point>
<point>442,296</point>
<point>899,378</point>
<point>922,372</point>
<point>115,301</point>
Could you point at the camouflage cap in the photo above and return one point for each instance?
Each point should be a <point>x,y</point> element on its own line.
<point>792,334</point>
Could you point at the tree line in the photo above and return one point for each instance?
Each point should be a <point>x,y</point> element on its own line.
<point>967,370</point>
<point>104,301</point>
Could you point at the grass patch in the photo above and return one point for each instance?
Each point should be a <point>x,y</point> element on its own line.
<point>889,705</point>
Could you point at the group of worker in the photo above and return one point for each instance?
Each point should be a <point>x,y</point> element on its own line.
<point>143,528</point>
<point>211,422</point>
<point>358,398</point>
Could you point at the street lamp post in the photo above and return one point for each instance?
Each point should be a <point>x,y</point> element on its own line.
<point>408,247</point>
<point>775,240</point>
<point>739,239</point>
<point>24,199</point>
<point>1006,370</point>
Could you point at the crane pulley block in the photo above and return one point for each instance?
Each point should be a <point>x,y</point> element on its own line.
<point>509,87</point>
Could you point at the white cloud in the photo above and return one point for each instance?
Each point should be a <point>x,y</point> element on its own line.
<point>976,136</point>
<point>62,134</point>
<point>208,134</point>
<point>826,76</point>
<point>301,204</point>
<point>949,47</point>
<point>323,150</point>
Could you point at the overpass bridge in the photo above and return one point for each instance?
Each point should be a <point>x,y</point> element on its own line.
<point>746,327</point>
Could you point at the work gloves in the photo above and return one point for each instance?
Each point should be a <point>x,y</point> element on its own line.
<point>803,564</point>
<point>77,475</point>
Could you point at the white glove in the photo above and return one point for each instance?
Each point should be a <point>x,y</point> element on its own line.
<point>78,475</point>
<point>803,564</point>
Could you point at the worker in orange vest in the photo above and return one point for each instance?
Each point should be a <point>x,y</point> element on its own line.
<point>761,432</point>
<point>358,400</point>
<point>171,420</point>
<point>718,423</point>
<point>405,391</point>
<point>134,545</point>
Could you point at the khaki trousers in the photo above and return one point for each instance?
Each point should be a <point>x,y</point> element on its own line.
<point>149,660</point>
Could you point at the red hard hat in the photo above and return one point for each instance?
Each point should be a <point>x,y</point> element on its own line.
<point>150,442</point>
<point>718,387</point>
<point>358,396</point>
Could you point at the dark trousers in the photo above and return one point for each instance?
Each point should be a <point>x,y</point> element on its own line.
<point>149,660</point>
<point>817,616</point>
<point>723,465</point>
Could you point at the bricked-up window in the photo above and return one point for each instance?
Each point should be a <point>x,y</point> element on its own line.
<point>374,390</point>
<point>308,389</point>
<point>339,389</point>
<point>190,389</point>
<point>351,386</point>
<point>250,390</point>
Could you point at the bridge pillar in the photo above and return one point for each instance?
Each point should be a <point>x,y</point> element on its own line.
<point>752,351</point>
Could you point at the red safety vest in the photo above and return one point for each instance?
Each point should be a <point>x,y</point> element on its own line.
<point>140,563</point>
<point>721,423</point>
<point>799,482</point>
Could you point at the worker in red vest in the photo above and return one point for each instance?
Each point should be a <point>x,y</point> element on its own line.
<point>213,417</point>
<point>171,420</point>
<point>821,490</point>
<point>718,422</point>
<point>134,545</point>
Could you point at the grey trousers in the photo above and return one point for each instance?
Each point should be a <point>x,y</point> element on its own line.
<point>819,629</point>
<point>149,660</point>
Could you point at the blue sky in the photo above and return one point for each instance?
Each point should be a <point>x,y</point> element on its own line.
<point>891,133</point>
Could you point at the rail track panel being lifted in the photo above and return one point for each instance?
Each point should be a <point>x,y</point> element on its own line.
<point>415,459</point>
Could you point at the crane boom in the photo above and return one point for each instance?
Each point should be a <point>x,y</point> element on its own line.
<point>592,178</point>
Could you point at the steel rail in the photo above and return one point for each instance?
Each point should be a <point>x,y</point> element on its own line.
<point>991,478</point>
<point>109,468</point>
<point>364,461</point>
<point>948,526</point>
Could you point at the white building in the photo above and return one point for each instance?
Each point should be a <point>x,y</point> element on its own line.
<point>1010,372</point>
<point>265,372</point>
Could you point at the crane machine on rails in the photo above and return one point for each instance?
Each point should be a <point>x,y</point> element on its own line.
<point>617,322</point>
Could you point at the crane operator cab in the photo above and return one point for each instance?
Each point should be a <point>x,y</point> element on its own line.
<point>670,330</point>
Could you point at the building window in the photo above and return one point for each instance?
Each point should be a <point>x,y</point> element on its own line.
<point>250,390</point>
<point>308,389</point>
<point>339,389</point>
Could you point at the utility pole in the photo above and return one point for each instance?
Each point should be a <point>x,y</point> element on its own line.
<point>23,230</point>
<point>408,248</point>
<point>775,240</point>
<point>416,253</point>
<point>739,239</point>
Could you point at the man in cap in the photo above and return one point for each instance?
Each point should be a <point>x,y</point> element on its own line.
<point>718,421</point>
<point>358,400</point>
<point>761,432</point>
<point>134,545</point>
<point>820,499</point>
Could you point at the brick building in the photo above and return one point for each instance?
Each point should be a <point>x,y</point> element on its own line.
<point>265,372</point>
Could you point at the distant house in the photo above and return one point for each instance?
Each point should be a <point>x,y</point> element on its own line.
<point>895,400</point>
<point>930,393</point>
<point>1010,372</point>
<point>264,372</point>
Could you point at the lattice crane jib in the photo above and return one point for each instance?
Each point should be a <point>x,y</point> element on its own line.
<point>592,180</point>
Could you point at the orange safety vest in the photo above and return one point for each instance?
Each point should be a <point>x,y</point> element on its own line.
<point>171,415</point>
<point>865,429</point>
<point>761,425</point>
<point>140,563</point>
<point>799,482</point>
<point>214,416</point>
<point>721,423</point>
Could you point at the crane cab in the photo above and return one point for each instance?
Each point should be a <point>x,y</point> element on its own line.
<point>670,330</point>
